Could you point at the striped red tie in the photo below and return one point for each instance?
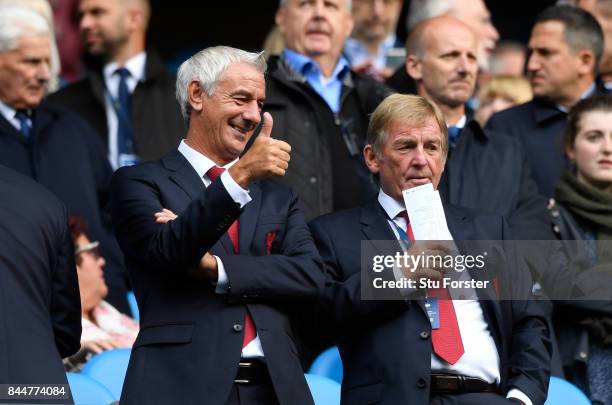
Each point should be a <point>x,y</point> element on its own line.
<point>446,340</point>
<point>249,327</point>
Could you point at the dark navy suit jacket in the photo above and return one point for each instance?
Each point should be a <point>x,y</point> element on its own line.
<point>40,307</point>
<point>386,345</point>
<point>190,340</point>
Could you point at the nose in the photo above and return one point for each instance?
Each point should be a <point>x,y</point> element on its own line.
<point>418,158</point>
<point>85,22</point>
<point>43,73</point>
<point>252,112</point>
<point>318,8</point>
<point>378,7</point>
<point>101,261</point>
<point>493,33</point>
<point>533,63</point>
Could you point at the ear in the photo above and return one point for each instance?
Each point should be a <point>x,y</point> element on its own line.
<point>586,62</point>
<point>370,159</point>
<point>414,68</point>
<point>135,18</point>
<point>570,152</point>
<point>196,96</point>
<point>279,18</point>
<point>350,23</point>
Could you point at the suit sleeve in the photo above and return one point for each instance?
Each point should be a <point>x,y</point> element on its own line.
<point>341,305</point>
<point>295,271</point>
<point>178,245</point>
<point>65,299</point>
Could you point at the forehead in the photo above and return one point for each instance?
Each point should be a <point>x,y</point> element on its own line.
<point>450,37</point>
<point>427,130</point>
<point>85,5</point>
<point>593,120</point>
<point>342,4</point>
<point>470,11</point>
<point>547,33</point>
<point>34,45</point>
<point>243,75</point>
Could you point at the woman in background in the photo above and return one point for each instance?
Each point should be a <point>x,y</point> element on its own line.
<point>582,210</point>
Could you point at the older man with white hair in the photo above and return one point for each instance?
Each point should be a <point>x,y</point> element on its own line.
<point>217,284</point>
<point>48,144</point>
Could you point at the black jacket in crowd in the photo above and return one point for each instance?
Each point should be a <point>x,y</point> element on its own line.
<point>327,169</point>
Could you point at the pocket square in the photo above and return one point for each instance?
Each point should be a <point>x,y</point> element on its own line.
<point>270,236</point>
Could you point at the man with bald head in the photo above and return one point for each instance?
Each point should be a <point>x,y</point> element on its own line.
<point>473,13</point>
<point>485,171</point>
<point>128,96</point>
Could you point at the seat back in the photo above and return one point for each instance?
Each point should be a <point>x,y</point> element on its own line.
<point>328,364</point>
<point>109,369</point>
<point>325,391</point>
<point>87,391</point>
<point>562,392</point>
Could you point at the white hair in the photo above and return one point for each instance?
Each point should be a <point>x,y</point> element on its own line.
<point>18,22</point>
<point>207,67</point>
<point>425,9</point>
<point>349,3</point>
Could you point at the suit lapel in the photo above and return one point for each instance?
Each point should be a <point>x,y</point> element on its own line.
<point>248,219</point>
<point>185,176</point>
<point>376,229</point>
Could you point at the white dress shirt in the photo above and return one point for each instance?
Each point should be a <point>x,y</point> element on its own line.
<point>136,67</point>
<point>201,165</point>
<point>481,358</point>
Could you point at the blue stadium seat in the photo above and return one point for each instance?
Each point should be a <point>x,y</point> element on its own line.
<point>325,391</point>
<point>109,368</point>
<point>328,364</point>
<point>561,392</point>
<point>87,391</point>
<point>133,305</point>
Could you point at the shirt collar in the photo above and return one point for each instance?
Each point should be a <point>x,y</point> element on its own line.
<point>135,65</point>
<point>390,205</point>
<point>7,111</point>
<point>461,123</point>
<point>305,65</point>
<point>587,93</point>
<point>200,162</point>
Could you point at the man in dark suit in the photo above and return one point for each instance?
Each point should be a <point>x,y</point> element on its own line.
<point>390,350</point>
<point>40,307</point>
<point>484,170</point>
<point>53,146</point>
<point>127,96</point>
<point>217,285</point>
<point>566,45</point>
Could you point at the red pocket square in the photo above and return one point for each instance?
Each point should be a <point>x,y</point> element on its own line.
<point>270,236</point>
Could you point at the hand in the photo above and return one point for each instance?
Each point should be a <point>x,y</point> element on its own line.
<point>98,346</point>
<point>165,215</point>
<point>267,157</point>
<point>428,269</point>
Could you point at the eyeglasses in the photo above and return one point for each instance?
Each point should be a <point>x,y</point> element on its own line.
<point>90,248</point>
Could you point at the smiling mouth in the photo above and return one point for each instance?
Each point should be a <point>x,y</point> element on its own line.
<point>240,129</point>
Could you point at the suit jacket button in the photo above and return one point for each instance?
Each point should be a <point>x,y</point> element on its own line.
<point>237,327</point>
<point>424,335</point>
<point>421,383</point>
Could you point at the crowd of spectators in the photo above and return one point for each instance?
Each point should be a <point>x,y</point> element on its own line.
<point>89,111</point>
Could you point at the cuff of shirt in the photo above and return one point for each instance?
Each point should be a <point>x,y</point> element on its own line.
<point>238,194</point>
<point>520,395</point>
<point>222,280</point>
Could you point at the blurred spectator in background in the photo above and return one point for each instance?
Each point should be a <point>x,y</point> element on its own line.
<point>565,48</point>
<point>273,44</point>
<point>602,11</point>
<point>474,13</point>
<point>53,146</point>
<point>104,327</point>
<point>42,7</point>
<point>373,48</point>
<point>40,294</point>
<point>483,170</point>
<point>65,14</point>
<point>321,107</point>
<point>582,210</point>
<point>500,93</point>
<point>508,59</point>
<point>128,96</point>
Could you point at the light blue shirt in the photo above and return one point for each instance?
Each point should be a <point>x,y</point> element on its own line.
<point>358,54</point>
<point>329,89</point>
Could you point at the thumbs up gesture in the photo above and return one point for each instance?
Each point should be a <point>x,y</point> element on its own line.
<point>267,157</point>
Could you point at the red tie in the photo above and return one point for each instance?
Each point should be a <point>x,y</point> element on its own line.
<point>446,340</point>
<point>249,326</point>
